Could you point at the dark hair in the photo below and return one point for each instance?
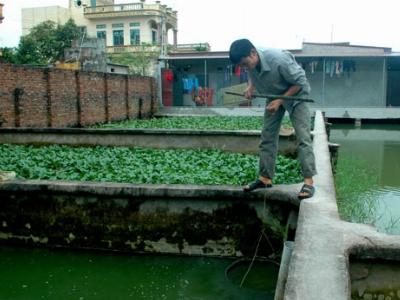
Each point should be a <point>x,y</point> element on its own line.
<point>239,49</point>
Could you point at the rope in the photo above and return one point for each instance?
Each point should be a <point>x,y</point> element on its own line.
<point>258,244</point>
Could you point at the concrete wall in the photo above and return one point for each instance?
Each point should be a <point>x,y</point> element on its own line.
<point>177,219</point>
<point>36,15</point>
<point>143,22</point>
<point>363,87</point>
<point>40,97</point>
<point>231,141</point>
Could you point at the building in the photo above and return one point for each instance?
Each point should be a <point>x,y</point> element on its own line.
<point>340,74</point>
<point>34,16</point>
<point>1,12</point>
<point>125,27</point>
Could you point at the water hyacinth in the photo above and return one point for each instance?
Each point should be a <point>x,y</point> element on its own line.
<point>197,123</point>
<point>138,165</point>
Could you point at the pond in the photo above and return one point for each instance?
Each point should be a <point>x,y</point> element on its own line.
<point>368,174</point>
<point>58,274</point>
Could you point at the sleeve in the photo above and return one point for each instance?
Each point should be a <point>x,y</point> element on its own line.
<point>292,72</point>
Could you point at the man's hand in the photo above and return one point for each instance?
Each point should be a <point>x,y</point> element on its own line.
<point>248,93</point>
<point>273,106</point>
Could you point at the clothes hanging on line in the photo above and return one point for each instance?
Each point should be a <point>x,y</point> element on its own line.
<point>339,67</point>
<point>310,67</point>
<point>190,83</point>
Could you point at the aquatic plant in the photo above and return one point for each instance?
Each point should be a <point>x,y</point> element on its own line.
<point>138,165</point>
<point>355,181</point>
<point>198,123</point>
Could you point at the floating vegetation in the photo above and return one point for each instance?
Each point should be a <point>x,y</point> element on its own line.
<point>139,165</point>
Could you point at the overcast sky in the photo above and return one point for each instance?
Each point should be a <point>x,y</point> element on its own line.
<point>270,23</point>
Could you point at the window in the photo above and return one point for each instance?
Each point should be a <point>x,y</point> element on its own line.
<point>101,26</point>
<point>101,35</point>
<point>118,25</point>
<point>135,36</point>
<point>93,3</point>
<point>135,24</point>
<point>154,39</point>
<point>118,37</point>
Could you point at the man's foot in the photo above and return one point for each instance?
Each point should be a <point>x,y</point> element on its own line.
<point>258,184</point>
<point>307,191</point>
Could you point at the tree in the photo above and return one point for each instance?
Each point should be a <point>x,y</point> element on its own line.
<point>46,43</point>
<point>139,62</point>
<point>65,34</point>
<point>7,55</point>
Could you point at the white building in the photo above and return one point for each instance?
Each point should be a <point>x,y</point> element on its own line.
<point>125,27</point>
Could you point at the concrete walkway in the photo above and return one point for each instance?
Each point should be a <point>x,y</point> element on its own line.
<point>319,266</point>
<point>382,113</point>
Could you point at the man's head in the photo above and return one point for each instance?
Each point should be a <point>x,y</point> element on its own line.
<point>244,53</point>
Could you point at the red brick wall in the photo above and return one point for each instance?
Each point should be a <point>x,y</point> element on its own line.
<point>23,100</point>
<point>64,103</point>
<point>41,97</point>
<point>133,99</point>
<point>7,84</point>
<point>92,97</point>
<point>116,92</point>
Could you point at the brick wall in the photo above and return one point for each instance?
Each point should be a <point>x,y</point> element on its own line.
<point>64,104</point>
<point>116,89</point>
<point>41,97</point>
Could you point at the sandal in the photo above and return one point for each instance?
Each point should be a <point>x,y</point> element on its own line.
<point>258,184</point>
<point>308,190</point>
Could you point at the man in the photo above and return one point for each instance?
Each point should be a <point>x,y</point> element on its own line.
<point>273,71</point>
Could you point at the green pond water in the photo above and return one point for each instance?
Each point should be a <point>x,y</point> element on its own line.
<point>368,174</point>
<point>58,274</point>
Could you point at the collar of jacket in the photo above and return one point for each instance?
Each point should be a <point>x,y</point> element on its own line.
<point>264,65</point>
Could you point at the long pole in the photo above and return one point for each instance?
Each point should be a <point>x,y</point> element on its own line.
<point>290,98</point>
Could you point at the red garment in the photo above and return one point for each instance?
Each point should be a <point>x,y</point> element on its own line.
<point>237,71</point>
<point>169,76</point>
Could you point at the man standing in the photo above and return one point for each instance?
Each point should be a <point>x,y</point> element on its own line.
<point>273,71</point>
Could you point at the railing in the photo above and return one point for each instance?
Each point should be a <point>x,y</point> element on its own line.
<point>113,8</point>
<point>128,7</point>
<point>133,48</point>
<point>192,47</point>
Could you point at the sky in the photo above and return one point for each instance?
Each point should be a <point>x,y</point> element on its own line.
<point>281,24</point>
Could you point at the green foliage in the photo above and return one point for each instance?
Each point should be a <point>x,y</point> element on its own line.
<point>198,123</point>
<point>46,43</point>
<point>65,34</point>
<point>139,62</point>
<point>137,165</point>
<point>200,48</point>
<point>353,181</point>
<point>7,55</point>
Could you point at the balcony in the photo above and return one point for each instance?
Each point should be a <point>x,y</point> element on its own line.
<point>192,47</point>
<point>133,48</point>
<point>155,48</point>
<point>129,10</point>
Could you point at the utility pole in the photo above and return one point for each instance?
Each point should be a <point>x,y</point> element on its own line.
<point>164,42</point>
<point>161,58</point>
